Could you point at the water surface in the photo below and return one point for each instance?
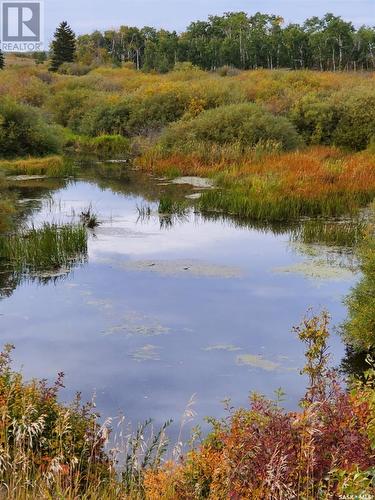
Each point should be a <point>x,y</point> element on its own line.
<point>158,314</point>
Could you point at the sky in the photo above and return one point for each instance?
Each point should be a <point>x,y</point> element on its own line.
<point>87,15</point>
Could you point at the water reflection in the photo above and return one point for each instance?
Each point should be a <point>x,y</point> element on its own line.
<point>159,314</point>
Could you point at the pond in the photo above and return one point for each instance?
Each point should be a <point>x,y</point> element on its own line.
<point>161,311</point>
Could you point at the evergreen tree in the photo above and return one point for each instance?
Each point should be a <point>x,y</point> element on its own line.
<point>2,61</point>
<point>63,46</point>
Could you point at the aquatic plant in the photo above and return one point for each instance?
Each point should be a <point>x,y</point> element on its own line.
<point>144,212</point>
<point>167,206</point>
<point>48,248</point>
<point>337,233</point>
<point>7,203</point>
<point>313,183</point>
<point>89,218</point>
<point>107,146</point>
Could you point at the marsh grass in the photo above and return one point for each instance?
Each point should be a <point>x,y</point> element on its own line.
<point>7,203</point>
<point>289,186</point>
<point>7,210</point>
<point>169,212</point>
<point>337,233</point>
<point>48,248</point>
<point>103,146</point>
<point>259,206</point>
<point>51,166</point>
<point>168,206</point>
<point>89,218</point>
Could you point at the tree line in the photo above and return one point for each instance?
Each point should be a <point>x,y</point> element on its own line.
<point>235,39</point>
<point>239,40</point>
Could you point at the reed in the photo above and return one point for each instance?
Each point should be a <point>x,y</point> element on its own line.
<point>338,233</point>
<point>48,248</point>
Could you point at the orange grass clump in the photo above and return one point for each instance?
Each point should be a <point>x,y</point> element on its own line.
<point>315,181</point>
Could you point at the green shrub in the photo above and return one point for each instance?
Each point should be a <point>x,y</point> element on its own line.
<point>138,115</point>
<point>356,127</point>
<point>112,119</point>
<point>371,146</point>
<point>315,118</point>
<point>25,132</point>
<point>157,110</point>
<point>69,105</point>
<point>246,124</point>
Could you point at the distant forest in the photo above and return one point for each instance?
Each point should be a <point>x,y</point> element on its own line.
<point>239,40</point>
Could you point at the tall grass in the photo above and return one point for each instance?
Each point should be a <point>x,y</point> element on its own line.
<point>103,146</point>
<point>46,249</point>
<point>52,166</point>
<point>319,182</point>
<point>339,233</point>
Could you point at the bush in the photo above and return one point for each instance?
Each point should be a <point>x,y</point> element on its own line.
<point>24,132</point>
<point>228,71</point>
<point>69,105</point>
<point>246,124</point>
<point>315,118</point>
<point>356,127</point>
<point>323,451</point>
<point>75,69</point>
<point>112,119</point>
<point>154,111</point>
<point>140,114</point>
<point>44,441</point>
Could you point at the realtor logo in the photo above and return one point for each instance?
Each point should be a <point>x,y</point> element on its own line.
<point>22,26</point>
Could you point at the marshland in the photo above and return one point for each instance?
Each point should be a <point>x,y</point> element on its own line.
<point>176,234</point>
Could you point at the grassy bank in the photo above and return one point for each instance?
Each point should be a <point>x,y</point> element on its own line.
<point>325,450</point>
<point>51,166</point>
<point>318,181</point>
